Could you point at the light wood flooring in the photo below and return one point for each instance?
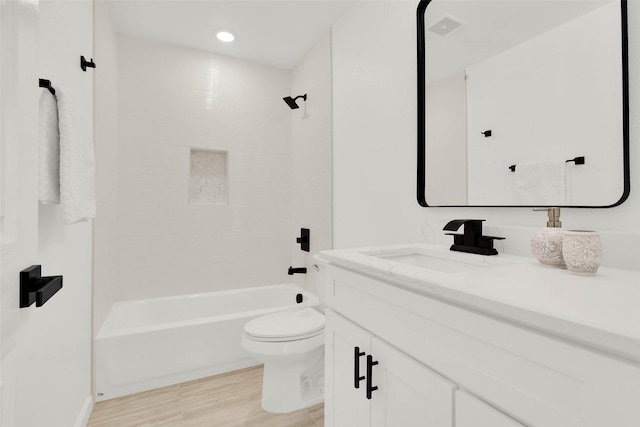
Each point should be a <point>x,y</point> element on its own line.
<point>227,400</point>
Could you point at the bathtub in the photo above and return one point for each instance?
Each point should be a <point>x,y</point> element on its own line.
<point>145,344</point>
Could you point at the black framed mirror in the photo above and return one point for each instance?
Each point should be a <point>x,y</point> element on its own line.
<point>522,103</point>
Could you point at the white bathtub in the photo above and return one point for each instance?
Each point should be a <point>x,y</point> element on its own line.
<point>152,343</point>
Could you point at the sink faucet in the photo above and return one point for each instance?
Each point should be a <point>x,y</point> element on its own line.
<point>293,271</point>
<point>471,240</point>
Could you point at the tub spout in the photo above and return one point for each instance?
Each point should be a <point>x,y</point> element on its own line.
<point>292,271</point>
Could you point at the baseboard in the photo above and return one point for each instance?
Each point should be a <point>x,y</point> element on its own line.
<point>85,412</point>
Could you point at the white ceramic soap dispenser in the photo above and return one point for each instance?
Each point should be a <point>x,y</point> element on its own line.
<point>546,244</point>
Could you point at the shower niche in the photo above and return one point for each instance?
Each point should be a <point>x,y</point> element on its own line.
<point>208,177</point>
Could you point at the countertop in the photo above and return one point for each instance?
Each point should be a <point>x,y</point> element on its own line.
<point>601,311</point>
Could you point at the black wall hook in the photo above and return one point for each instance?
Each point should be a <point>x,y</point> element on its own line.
<point>35,288</point>
<point>47,85</point>
<point>84,63</point>
<point>486,133</point>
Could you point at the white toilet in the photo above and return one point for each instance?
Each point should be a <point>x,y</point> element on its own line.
<point>291,346</point>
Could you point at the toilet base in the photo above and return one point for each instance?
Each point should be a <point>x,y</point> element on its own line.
<point>287,388</point>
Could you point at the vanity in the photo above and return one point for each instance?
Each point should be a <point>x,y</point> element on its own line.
<point>417,335</point>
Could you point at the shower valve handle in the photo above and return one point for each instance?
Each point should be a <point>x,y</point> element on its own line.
<point>304,240</point>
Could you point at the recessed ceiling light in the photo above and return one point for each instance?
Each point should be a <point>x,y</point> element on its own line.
<point>225,36</point>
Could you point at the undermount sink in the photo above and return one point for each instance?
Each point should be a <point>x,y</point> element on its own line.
<point>436,259</point>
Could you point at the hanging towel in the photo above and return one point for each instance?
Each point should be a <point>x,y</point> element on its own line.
<point>77,163</point>
<point>49,168</point>
<point>541,183</point>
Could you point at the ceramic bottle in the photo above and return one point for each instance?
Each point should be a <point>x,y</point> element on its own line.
<point>546,244</point>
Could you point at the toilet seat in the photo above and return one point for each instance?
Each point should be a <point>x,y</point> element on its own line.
<point>286,326</point>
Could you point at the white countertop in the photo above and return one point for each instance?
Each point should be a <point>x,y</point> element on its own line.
<point>601,311</point>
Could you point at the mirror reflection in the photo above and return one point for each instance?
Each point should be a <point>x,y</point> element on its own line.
<point>524,103</point>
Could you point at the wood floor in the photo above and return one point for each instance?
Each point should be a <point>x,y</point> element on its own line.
<point>227,400</point>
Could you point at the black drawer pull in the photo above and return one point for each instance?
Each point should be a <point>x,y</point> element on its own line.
<point>370,364</point>
<point>356,366</point>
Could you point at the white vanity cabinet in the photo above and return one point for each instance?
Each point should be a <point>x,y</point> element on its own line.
<point>433,352</point>
<point>472,412</point>
<point>370,383</point>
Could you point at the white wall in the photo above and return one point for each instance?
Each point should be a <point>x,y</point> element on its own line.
<point>374,125</point>
<point>374,144</point>
<point>554,97</point>
<point>53,360</point>
<point>311,157</point>
<point>171,99</point>
<point>106,145</point>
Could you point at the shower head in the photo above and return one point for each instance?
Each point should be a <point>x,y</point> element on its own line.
<point>291,102</point>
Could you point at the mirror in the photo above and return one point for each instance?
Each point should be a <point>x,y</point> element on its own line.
<point>522,103</point>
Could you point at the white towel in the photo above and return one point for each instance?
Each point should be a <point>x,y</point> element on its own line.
<point>49,168</point>
<point>541,183</point>
<point>77,163</point>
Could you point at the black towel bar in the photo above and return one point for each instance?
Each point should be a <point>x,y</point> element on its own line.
<point>577,160</point>
<point>47,85</point>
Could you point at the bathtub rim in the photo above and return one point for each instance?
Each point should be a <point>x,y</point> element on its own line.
<point>309,300</point>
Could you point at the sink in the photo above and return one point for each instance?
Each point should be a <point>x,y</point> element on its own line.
<point>436,259</point>
<point>432,263</point>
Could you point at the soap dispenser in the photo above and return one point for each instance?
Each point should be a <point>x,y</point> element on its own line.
<point>546,244</point>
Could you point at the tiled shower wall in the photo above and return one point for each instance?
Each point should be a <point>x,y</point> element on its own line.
<point>311,153</point>
<point>172,100</point>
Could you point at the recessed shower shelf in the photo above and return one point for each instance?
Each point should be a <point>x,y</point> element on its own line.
<point>208,177</point>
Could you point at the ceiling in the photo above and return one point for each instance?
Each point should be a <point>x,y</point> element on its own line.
<point>272,32</point>
<point>491,27</point>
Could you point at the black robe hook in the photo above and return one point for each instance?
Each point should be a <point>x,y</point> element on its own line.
<point>84,63</point>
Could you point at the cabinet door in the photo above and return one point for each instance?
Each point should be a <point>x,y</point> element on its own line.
<point>471,412</point>
<point>408,394</point>
<point>346,348</point>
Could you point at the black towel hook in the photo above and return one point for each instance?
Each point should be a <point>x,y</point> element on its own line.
<point>84,63</point>
<point>47,85</point>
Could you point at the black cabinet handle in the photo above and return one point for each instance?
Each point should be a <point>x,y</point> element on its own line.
<point>356,366</point>
<point>370,364</point>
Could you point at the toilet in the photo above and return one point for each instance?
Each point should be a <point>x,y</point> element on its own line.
<point>291,346</point>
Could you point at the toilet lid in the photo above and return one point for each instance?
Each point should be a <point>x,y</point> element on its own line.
<point>286,324</point>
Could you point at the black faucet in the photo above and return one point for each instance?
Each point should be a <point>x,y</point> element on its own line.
<point>293,271</point>
<point>472,240</point>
